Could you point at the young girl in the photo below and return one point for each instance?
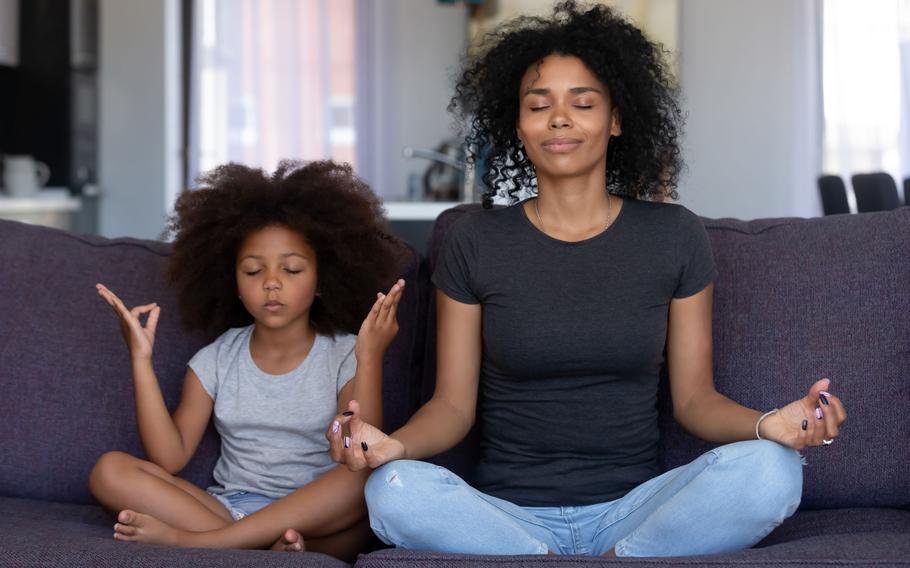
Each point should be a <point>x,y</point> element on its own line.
<point>285,268</point>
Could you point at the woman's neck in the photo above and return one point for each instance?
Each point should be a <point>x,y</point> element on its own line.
<point>573,209</point>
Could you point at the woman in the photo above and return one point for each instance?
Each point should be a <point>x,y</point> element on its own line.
<point>553,315</point>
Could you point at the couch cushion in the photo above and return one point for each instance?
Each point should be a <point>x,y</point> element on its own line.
<point>51,534</point>
<point>797,300</point>
<point>801,299</point>
<point>66,393</point>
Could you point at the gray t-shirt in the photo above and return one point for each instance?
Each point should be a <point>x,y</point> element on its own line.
<point>272,427</point>
<point>573,341</point>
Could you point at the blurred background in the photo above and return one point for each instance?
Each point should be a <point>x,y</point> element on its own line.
<point>110,108</point>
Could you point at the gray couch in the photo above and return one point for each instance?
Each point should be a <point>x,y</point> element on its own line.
<point>796,300</point>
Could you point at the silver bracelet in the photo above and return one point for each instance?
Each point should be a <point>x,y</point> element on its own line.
<point>760,418</point>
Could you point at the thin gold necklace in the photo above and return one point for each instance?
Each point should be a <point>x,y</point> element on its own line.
<point>609,211</point>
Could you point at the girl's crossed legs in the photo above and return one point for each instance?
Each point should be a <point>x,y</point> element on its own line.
<point>727,499</point>
<point>157,507</point>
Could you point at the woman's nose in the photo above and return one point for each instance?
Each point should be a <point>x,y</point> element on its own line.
<point>559,120</point>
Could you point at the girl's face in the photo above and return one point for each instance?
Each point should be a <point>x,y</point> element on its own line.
<point>276,277</point>
<point>565,118</point>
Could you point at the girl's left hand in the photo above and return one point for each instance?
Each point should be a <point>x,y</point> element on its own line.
<point>380,326</point>
<point>813,420</point>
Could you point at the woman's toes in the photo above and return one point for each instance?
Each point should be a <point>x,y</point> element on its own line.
<point>126,517</point>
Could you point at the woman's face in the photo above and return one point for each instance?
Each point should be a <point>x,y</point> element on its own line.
<point>565,119</point>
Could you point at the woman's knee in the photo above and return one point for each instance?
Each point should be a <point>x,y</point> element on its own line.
<point>399,486</point>
<point>774,477</point>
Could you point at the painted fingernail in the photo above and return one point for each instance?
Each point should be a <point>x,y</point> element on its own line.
<point>818,413</point>
<point>335,427</point>
<point>364,446</point>
<point>347,413</point>
<point>805,425</point>
<point>823,397</point>
<point>347,441</point>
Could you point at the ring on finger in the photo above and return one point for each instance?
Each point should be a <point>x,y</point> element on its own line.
<point>827,442</point>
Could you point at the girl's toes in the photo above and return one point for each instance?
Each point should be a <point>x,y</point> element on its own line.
<point>124,530</point>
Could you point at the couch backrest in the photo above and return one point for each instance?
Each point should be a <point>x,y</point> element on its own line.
<point>66,393</point>
<point>797,300</point>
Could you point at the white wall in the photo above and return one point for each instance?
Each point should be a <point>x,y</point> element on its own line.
<point>139,115</point>
<point>411,50</point>
<point>750,75</point>
<point>9,32</point>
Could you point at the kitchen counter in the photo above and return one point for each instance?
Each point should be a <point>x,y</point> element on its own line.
<point>52,207</point>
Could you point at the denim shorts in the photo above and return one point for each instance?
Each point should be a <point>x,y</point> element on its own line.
<point>242,503</point>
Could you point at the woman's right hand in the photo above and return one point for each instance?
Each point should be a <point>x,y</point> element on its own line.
<point>358,444</point>
<point>140,339</point>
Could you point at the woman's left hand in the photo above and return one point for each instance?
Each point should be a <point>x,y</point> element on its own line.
<point>813,420</point>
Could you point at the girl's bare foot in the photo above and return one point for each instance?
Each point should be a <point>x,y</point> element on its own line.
<point>136,527</point>
<point>290,541</point>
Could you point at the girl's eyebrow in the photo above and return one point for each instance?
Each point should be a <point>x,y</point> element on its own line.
<point>282,255</point>
<point>573,90</point>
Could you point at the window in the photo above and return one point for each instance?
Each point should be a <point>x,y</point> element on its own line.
<point>271,79</point>
<point>867,87</point>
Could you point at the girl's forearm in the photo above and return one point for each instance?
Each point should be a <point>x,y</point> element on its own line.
<point>716,418</point>
<point>160,436</point>
<point>368,391</point>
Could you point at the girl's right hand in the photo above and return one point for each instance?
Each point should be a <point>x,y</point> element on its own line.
<point>140,339</point>
<point>367,446</point>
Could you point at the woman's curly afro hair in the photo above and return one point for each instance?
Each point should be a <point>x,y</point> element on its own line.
<point>644,162</point>
<point>337,214</point>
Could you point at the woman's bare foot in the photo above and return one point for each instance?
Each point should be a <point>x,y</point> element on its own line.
<point>290,541</point>
<point>136,527</point>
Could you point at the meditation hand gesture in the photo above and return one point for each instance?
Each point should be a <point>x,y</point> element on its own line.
<point>379,327</point>
<point>140,339</point>
<point>365,446</point>
<point>813,420</point>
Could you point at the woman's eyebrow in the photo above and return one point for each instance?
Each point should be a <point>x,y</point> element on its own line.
<point>574,90</point>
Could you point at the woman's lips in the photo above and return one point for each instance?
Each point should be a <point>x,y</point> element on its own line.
<point>561,145</point>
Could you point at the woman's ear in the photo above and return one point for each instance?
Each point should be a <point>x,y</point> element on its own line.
<point>615,124</point>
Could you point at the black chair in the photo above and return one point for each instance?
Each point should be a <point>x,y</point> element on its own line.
<point>834,195</point>
<point>875,192</point>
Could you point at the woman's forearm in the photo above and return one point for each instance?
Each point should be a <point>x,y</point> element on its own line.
<point>436,427</point>
<point>715,418</point>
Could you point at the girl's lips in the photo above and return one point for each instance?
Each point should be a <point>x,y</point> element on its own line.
<point>273,306</point>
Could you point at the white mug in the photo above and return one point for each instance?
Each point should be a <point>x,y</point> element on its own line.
<point>23,176</point>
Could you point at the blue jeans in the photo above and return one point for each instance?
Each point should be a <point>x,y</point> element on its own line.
<point>727,499</point>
